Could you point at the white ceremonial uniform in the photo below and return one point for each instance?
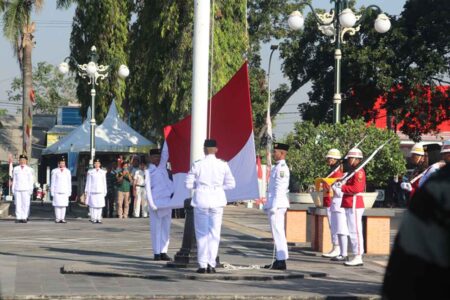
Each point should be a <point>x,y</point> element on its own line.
<point>140,197</point>
<point>277,205</point>
<point>159,190</point>
<point>95,192</point>
<point>61,189</point>
<point>338,221</point>
<point>22,188</point>
<point>209,178</point>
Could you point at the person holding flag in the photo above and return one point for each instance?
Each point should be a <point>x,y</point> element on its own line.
<point>159,191</point>
<point>61,189</point>
<point>352,201</point>
<point>277,205</point>
<point>333,161</point>
<point>22,187</point>
<point>209,177</point>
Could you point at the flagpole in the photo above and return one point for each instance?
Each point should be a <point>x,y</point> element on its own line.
<point>187,255</point>
<point>200,77</point>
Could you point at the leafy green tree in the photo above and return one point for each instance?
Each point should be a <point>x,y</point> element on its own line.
<point>18,29</point>
<point>104,24</point>
<point>161,58</point>
<point>395,65</point>
<point>51,89</point>
<point>420,68</point>
<point>310,144</point>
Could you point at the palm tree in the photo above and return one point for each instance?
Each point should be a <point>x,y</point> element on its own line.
<point>18,29</point>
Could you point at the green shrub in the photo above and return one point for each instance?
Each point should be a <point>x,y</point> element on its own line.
<point>310,144</point>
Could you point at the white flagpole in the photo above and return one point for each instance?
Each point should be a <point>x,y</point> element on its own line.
<point>199,121</point>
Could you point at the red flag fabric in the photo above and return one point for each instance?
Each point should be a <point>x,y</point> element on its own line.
<point>231,124</point>
<point>232,128</point>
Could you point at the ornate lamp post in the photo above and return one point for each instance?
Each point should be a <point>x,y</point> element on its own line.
<point>93,72</point>
<point>336,24</point>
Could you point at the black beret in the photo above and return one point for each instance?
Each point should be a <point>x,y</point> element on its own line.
<point>281,146</point>
<point>23,156</point>
<point>210,143</point>
<point>97,160</point>
<point>61,158</point>
<point>155,151</point>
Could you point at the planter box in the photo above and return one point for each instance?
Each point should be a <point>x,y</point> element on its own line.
<point>376,230</point>
<point>369,199</point>
<point>300,198</point>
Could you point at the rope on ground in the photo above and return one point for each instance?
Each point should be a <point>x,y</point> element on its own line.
<point>230,267</point>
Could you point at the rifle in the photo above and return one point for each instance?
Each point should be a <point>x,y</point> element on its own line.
<point>365,162</point>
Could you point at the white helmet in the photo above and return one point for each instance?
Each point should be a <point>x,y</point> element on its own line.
<point>417,149</point>
<point>445,147</point>
<point>334,153</point>
<point>355,152</point>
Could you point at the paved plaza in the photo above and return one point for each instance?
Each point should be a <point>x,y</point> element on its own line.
<point>113,260</point>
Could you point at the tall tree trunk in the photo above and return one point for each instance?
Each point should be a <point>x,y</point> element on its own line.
<point>27,76</point>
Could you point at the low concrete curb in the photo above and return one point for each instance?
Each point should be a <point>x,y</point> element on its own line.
<point>170,274</point>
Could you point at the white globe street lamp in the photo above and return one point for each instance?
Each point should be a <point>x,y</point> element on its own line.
<point>347,18</point>
<point>336,24</point>
<point>382,24</point>
<point>296,20</point>
<point>123,71</point>
<point>93,72</point>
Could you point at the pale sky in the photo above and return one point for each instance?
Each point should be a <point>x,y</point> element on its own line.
<point>52,38</point>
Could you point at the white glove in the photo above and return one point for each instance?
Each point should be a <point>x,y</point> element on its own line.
<point>153,207</point>
<point>337,184</point>
<point>337,190</point>
<point>406,186</point>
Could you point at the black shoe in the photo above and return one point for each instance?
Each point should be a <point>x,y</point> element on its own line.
<point>165,257</point>
<point>201,270</point>
<point>25,221</point>
<point>210,269</point>
<point>277,265</point>
<point>157,257</point>
<point>98,222</point>
<point>63,221</point>
<point>340,258</point>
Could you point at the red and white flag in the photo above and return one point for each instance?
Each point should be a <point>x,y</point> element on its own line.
<point>232,128</point>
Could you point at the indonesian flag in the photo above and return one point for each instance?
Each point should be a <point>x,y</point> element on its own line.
<point>232,128</point>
